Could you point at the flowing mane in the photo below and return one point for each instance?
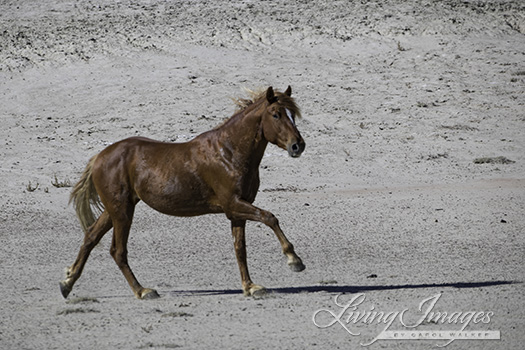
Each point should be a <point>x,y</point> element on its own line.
<point>257,95</point>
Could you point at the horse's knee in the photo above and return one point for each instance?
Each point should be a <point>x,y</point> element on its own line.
<point>271,220</point>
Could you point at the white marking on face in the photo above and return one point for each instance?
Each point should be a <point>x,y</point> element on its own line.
<point>289,114</point>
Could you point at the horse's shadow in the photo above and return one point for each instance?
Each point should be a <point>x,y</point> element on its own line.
<point>336,289</point>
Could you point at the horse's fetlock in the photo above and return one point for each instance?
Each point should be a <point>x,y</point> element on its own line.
<point>67,272</point>
<point>288,248</point>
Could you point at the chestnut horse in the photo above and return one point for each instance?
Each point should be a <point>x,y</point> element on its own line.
<point>216,172</point>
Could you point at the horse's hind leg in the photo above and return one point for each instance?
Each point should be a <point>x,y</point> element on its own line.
<point>119,252</point>
<point>91,239</point>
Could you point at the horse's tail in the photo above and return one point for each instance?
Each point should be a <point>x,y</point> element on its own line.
<point>85,198</point>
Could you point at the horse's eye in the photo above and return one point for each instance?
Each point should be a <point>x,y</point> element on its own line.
<point>276,116</point>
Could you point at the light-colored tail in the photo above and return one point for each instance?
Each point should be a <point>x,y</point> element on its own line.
<point>85,198</point>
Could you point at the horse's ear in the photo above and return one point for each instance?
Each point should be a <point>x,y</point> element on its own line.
<point>288,91</point>
<point>270,95</point>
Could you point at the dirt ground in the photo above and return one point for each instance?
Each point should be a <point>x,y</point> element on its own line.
<point>412,185</point>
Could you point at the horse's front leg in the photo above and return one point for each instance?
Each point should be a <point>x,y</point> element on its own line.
<point>242,210</point>
<point>248,287</point>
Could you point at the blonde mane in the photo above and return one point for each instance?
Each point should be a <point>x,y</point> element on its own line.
<point>257,95</point>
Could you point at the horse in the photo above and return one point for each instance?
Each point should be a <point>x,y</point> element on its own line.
<point>216,172</point>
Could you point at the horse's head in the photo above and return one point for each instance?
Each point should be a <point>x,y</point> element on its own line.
<point>278,122</point>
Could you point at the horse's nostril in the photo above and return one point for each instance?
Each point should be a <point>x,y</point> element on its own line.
<point>295,149</point>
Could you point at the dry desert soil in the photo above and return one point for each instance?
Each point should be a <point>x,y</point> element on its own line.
<point>407,206</point>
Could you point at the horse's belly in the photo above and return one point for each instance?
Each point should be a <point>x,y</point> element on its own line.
<point>177,197</point>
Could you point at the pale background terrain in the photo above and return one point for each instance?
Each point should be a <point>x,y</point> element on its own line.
<point>398,98</point>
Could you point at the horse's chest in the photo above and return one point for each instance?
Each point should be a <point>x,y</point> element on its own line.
<point>249,185</point>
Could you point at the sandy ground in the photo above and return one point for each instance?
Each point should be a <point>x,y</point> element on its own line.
<point>390,200</point>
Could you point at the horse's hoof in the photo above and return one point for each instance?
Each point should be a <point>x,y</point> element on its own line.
<point>64,289</point>
<point>297,267</point>
<point>256,291</point>
<point>148,293</point>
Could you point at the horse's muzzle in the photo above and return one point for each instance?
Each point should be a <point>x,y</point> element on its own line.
<point>296,148</point>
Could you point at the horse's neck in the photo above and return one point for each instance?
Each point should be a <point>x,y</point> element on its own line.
<point>244,134</point>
